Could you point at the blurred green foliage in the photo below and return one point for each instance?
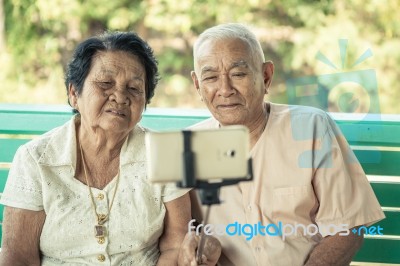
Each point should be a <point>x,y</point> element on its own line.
<point>39,37</point>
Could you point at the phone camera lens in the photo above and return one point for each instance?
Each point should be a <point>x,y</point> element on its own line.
<point>230,153</point>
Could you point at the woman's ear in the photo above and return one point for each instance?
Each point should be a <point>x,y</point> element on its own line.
<point>73,96</point>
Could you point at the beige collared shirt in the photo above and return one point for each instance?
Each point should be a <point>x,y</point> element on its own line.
<point>304,174</point>
<point>42,178</point>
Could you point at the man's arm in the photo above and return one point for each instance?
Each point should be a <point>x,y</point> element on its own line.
<point>21,236</point>
<point>335,250</point>
<point>211,253</point>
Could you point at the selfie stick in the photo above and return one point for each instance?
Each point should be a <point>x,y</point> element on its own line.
<point>209,192</point>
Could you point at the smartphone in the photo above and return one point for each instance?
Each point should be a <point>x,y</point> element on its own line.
<point>219,154</point>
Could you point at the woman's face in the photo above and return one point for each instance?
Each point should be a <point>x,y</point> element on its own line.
<point>113,95</point>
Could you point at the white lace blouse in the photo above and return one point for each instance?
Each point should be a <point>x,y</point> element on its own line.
<point>42,178</point>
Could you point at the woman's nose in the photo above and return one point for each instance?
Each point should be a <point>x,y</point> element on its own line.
<point>120,95</point>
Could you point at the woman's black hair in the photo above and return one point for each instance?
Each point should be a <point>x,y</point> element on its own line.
<point>79,66</point>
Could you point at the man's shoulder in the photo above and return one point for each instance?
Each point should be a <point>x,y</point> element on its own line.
<point>285,109</point>
<point>299,113</point>
<point>302,121</point>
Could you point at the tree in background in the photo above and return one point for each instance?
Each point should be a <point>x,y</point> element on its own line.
<point>2,27</point>
<point>41,34</point>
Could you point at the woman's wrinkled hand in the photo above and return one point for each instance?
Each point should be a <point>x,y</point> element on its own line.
<point>187,252</point>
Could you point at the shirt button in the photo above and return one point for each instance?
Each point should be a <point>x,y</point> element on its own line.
<point>100,196</point>
<point>101,258</point>
<point>101,240</point>
<point>258,249</point>
<point>249,208</point>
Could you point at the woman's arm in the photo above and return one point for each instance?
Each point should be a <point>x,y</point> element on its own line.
<point>176,222</point>
<point>21,236</point>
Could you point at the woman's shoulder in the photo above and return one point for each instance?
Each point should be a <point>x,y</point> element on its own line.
<point>55,137</point>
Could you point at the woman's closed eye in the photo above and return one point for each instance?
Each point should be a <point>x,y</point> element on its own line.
<point>134,90</point>
<point>105,84</point>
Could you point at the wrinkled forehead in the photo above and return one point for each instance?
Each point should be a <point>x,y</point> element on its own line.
<point>115,62</point>
<point>231,50</point>
<point>211,46</point>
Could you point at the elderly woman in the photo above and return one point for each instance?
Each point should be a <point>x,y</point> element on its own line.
<point>79,194</point>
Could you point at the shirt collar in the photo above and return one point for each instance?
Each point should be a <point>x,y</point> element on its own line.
<point>61,148</point>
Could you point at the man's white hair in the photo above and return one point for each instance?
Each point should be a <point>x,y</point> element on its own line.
<point>230,31</point>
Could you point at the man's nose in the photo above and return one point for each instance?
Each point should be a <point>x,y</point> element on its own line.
<point>226,88</point>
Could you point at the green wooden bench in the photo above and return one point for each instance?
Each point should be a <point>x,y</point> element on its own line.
<point>375,141</point>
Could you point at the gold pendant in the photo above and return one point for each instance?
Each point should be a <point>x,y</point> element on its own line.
<point>100,231</point>
<point>101,219</point>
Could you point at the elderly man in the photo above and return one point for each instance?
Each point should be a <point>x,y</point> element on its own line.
<point>308,192</point>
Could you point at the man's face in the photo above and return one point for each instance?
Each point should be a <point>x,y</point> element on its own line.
<point>231,80</point>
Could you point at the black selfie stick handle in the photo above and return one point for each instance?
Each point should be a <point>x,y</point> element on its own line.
<point>209,196</point>
<point>189,179</point>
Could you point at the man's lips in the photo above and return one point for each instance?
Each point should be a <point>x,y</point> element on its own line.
<point>231,105</point>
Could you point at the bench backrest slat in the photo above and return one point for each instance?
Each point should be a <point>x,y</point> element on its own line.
<point>375,141</point>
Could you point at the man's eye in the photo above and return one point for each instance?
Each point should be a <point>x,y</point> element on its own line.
<point>209,78</point>
<point>239,74</point>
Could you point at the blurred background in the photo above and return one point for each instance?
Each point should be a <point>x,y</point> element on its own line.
<point>340,55</point>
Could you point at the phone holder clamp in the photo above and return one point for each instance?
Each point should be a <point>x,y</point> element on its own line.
<point>208,191</point>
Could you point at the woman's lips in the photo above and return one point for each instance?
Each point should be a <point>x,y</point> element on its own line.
<point>116,112</point>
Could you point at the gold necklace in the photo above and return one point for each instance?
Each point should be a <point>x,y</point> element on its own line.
<point>99,228</point>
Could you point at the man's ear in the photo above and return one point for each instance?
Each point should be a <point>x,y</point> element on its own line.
<point>268,72</point>
<point>195,82</point>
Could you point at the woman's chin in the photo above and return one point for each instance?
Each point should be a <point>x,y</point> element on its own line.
<point>117,127</point>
